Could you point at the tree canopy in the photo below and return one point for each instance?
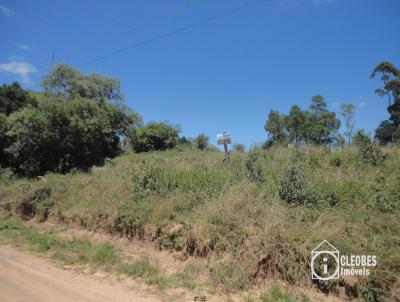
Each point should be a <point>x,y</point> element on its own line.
<point>388,131</point>
<point>317,125</point>
<point>78,121</point>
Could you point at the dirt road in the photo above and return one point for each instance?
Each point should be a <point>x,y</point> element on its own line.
<point>26,278</point>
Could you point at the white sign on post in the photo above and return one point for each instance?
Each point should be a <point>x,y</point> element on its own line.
<point>224,138</point>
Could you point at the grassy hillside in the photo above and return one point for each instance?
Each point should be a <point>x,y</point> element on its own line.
<point>255,218</point>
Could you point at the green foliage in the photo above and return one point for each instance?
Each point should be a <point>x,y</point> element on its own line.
<point>276,127</point>
<point>13,98</point>
<point>156,136</point>
<point>58,136</point>
<point>275,294</point>
<point>255,164</point>
<point>317,126</point>
<point>231,213</point>
<point>144,269</point>
<point>390,75</point>
<point>73,251</point>
<point>386,197</point>
<point>69,82</point>
<point>74,125</point>
<point>201,141</point>
<point>369,151</point>
<point>389,130</point>
<point>198,183</point>
<point>295,188</point>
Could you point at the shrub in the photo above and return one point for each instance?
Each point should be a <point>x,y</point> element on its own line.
<point>201,141</point>
<point>370,151</point>
<point>156,136</point>
<point>255,164</point>
<point>156,177</point>
<point>294,186</point>
<point>385,197</point>
<point>239,148</point>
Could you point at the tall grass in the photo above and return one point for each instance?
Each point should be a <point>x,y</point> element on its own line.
<point>257,217</point>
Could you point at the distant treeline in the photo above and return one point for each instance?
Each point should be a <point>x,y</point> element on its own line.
<point>319,126</point>
<point>78,120</point>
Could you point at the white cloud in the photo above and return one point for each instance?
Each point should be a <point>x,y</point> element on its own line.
<point>318,2</point>
<point>20,68</point>
<point>361,104</point>
<point>6,11</point>
<point>23,46</point>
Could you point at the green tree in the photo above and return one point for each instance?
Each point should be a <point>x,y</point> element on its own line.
<point>348,112</point>
<point>390,75</point>
<point>296,125</point>
<point>58,136</point>
<point>317,125</point>
<point>321,124</point>
<point>13,98</point>
<point>201,141</point>
<point>156,136</point>
<point>64,80</point>
<point>276,127</point>
<point>77,122</point>
<point>389,130</point>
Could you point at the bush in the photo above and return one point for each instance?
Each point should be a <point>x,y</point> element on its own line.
<point>294,187</point>
<point>201,141</point>
<point>156,136</point>
<point>239,148</point>
<point>370,151</point>
<point>255,164</point>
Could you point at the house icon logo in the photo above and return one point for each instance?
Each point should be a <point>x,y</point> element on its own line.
<point>325,262</point>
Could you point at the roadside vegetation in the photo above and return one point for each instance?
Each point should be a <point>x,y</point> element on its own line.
<point>252,219</point>
<point>256,218</point>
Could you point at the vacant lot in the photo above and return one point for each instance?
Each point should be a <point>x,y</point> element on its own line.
<point>252,220</point>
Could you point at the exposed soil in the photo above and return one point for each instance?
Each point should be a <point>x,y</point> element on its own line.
<point>24,277</point>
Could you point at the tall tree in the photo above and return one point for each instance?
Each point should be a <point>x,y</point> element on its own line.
<point>296,124</point>
<point>389,130</point>
<point>322,124</point>
<point>348,112</point>
<point>64,80</point>
<point>275,126</point>
<point>390,75</point>
<point>317,125</point>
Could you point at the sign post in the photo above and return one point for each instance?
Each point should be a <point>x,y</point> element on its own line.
<point>225,139</point>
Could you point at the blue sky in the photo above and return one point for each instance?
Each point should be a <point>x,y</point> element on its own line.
<point>224,75</point>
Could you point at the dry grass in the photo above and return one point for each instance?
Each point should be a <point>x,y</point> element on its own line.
<point>233,214</point>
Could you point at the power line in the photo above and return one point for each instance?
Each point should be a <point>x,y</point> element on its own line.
<point>174,32</point>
